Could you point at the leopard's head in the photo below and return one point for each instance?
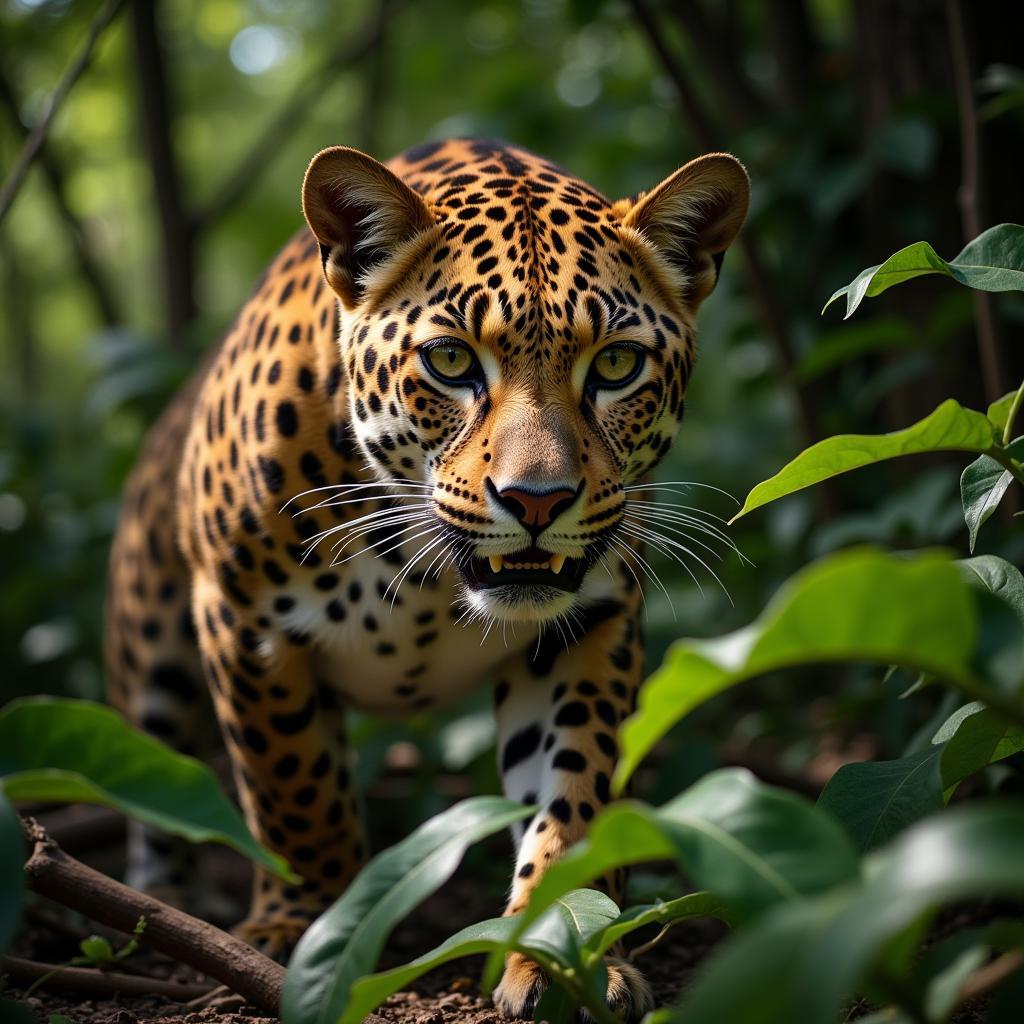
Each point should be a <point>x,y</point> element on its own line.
<point>517,348</point>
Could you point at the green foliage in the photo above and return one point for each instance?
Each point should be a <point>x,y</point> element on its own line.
<point>949,428</point>
<point>75,751</point>
<point>857,606</point>
<point>802,961</point>
<point>343,944</point>
<point>876,799</point>
<point>992,262</point>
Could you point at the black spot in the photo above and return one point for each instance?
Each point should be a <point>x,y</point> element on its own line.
<point>522,745</point>
<point>255,739</point>
<point>290,723</point>
<point>526,870</point>
<point>287,419</point>
<point>605,712</point>
<point>570,761</point>
<point>174,680</point>
<point>561,809</point>
<point>573,713</point>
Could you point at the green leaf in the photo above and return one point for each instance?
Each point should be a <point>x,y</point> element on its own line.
<point>12,872</point>
<point>694,904</point>
<point>858,605</point>
<point>999,411</point>
<point>802,961</point>
<point>949,428</point>
<point>343,944</point>
<point>982,486</point>
<point>76,751</point>
<point>877,799</point>
<point>97,949</point>
<point>992,262</point>
<point>554,940</point>
<point>998,577</point>
<point>749,844</point>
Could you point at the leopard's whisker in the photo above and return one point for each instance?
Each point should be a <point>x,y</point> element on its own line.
<point>633,520</point>
<point>652,574</point>
<point>347,488</point>
<point>394,547</point>
<point>668,485</point>
<point>619,547</point>
<point>644,533</point>
<point>397,581</point>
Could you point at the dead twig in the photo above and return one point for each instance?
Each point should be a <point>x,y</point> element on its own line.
<point>37,136</point>
<point>186,939</point>
<point>90,981</point>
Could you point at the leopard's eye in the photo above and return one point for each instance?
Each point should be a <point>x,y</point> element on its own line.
<point>616,365</point>
<point>452,361</point>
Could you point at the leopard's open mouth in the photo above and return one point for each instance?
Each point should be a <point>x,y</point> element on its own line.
<point>530,566</point>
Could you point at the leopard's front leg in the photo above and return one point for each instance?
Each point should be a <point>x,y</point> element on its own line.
<point>558,712</point>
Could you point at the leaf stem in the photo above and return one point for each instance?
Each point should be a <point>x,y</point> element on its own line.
<point>1012,415</point>
<point>1009,464</point>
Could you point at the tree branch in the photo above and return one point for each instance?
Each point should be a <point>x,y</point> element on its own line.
<point>53,170</point>
<point>969,196</point>
<point>757,278</point>
<point>990,976</point>
<point>52,873</point>
<point>37,136</point>
<point>268,145</point>
<point>97,983</point>
<point>176,236</point>
<point>713,48</point>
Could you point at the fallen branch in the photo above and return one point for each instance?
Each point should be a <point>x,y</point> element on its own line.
<point>52,873</point>
<point>91,981</point>
<point>37,136</point>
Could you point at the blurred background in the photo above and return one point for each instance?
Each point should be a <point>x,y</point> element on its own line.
<point>170,176</point>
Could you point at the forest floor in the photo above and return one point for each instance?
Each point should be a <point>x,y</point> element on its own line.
<point>448,995</point>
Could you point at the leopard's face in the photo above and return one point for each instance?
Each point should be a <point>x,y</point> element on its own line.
<point>514,364</point>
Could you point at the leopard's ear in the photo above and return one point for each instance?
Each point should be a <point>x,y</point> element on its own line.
<point>360,213</point>
<point>692,217</point>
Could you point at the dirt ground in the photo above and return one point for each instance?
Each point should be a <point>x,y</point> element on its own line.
<point>449,995</point>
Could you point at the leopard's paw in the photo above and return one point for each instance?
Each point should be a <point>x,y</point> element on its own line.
<point>523,984</point>
<point>273,937</point>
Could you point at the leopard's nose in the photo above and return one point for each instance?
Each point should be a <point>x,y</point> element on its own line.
<point>535,509</point>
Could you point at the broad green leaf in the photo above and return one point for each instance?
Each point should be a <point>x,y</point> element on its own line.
<point>999,411</point>
<point>858,605</point>
<point>875,800</point>
<point>343,944</point>
<point>992,262</point>
<point>949,428</point>
<point>684,908</point>
<point>12,872</point>
<point>982,486</point>
<point>749,844</point>
<point>997,576</point>
<point>554,940</point>
<point>802,961</point>
<point>76,751</point>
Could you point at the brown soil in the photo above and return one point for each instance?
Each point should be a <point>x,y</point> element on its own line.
<point>449,995</point>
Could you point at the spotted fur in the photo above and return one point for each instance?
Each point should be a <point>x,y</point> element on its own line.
<point>261,557</point>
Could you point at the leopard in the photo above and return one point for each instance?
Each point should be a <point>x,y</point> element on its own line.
<point>402,475</point>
